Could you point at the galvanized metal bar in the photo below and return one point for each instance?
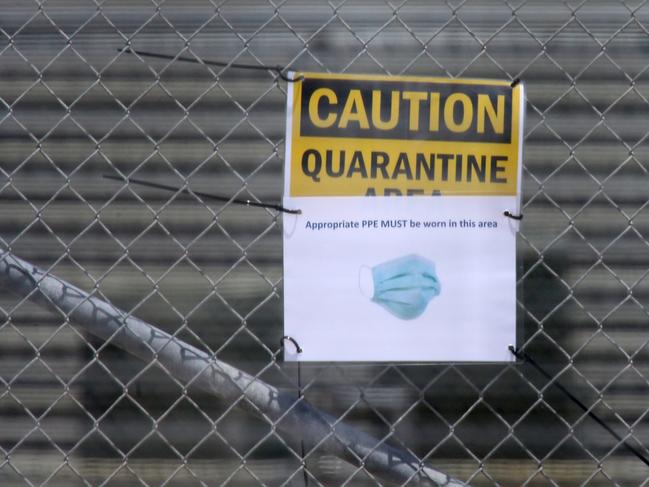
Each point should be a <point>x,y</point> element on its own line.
<point>297,419</point>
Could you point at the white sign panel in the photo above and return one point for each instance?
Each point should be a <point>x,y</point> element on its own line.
<point>402,251</point>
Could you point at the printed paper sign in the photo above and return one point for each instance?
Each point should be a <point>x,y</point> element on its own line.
<point>402,251</point>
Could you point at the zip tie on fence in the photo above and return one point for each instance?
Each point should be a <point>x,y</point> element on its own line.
<point>509,214</point>
<point>298,349</point>
<point>216,197</point>
<point>279,70</point>
<point>525,357</point>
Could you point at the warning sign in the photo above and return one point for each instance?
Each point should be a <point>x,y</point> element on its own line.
<point>402,250</point>
<point>389,136</point>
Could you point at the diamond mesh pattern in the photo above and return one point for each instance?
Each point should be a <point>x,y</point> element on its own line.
<point>78,411</point>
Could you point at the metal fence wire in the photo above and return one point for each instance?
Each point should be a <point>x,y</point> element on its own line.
<point>77,409</point>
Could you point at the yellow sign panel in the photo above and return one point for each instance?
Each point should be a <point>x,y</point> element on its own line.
<point>353,135</point>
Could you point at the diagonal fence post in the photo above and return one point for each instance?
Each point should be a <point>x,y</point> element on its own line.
<point>297,419</point>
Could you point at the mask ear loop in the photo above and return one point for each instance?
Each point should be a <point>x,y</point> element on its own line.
<point>366,281</point>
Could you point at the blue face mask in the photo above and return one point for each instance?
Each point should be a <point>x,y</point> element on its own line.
<point>404,286</point>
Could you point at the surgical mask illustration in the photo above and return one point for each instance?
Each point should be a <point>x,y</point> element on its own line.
<point>404,286</point>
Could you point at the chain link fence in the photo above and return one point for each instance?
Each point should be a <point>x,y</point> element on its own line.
<point>78,410</point>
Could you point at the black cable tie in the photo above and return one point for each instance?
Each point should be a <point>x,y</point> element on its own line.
<point>298,349</point>
<point>515,82</point>
<point>524,356</point>
<point>216,197</point>
<point>279,70</point>
<point>509,214</point>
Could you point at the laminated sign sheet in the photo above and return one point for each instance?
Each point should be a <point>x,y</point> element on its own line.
<point>402,250</point>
